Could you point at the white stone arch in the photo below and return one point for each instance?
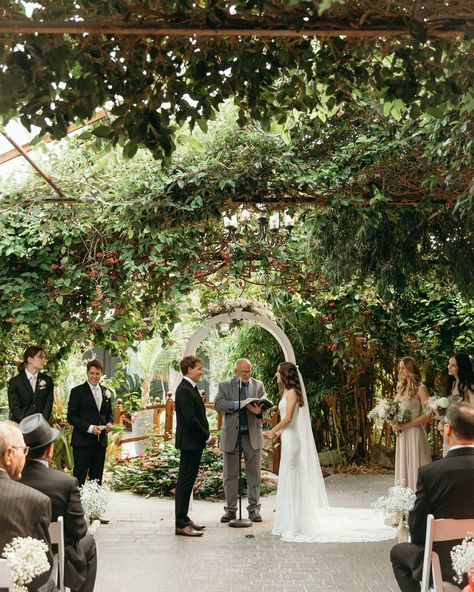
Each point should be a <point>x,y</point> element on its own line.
<point>239,315</point>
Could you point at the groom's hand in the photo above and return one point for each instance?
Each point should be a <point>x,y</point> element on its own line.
<point>211,441</point>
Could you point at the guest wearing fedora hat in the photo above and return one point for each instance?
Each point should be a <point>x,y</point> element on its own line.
<point>63,491</point>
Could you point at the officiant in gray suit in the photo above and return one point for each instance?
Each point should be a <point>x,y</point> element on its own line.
<point>227,402</point>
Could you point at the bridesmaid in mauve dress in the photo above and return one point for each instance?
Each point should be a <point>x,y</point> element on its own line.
<point>412,448</point>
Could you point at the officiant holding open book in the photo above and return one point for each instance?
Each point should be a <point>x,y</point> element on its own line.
<point>227,402</point>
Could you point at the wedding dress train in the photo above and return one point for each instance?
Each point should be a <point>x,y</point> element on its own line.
<point>303,513</point>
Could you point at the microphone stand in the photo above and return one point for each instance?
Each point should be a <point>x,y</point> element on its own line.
<point>240,522</point>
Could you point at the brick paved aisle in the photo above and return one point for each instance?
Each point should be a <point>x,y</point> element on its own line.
<point>138,550</point>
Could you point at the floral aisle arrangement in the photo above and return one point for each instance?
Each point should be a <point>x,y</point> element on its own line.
<point>395,507</point>
<point>388,410</point>
<point>95,498</point>
<point>436,406</point>
<point>462,557</point>
<point>26,559</point>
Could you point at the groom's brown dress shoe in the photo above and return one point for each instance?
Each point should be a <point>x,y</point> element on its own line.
<point>189,531</point>
<point>195,526</point>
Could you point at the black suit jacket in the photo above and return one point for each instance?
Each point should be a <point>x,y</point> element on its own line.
<point>82,413</point>
<point>23,402</point>
<point>192,427</point>
<point>446,490</point>
<point>63,491</point>
<point>24,512</point>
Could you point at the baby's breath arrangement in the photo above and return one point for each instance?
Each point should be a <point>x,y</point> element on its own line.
<point>26,558</point>
<point>462,557</point>
<point>398,502</point>
<point>95,499</point>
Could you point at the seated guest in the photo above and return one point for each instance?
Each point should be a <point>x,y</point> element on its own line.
<point>63,491</point>
<point>444,489</point>
<point>24,512</point>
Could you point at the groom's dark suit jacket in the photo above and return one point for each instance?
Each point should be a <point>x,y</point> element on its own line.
<point>192,427</point>
<point>446,490</point>
<point>63,491</point>
<point>83,412</point>
<point>24,402</point>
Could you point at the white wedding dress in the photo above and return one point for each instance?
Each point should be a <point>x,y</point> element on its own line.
<point>303,513</point>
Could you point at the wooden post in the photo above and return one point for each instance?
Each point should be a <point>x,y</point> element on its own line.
<point>169,406</point>
<point>119,412</point>
<point>219,421</point>
<point>157,415</point>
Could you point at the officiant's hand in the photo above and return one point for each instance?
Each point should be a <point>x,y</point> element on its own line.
<point>254,408</point>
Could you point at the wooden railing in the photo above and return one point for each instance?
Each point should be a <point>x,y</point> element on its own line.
<point>164,429</point>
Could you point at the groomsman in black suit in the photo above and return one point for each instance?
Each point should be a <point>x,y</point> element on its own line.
<point>23,511</point>
<point>192,435</point>
<point>444,489</point>
<point>90,412</point>
<point>31,391</point>
<point>63,491</point>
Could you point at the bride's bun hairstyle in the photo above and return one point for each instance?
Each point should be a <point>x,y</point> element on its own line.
<point>290,379</point>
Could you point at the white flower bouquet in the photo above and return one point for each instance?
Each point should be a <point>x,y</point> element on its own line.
<point>388,410</point>
<point>26,558</point>
<point>95,498</point>
<point>462,557</point>
<point>437,406</point>
<point>397,503</point>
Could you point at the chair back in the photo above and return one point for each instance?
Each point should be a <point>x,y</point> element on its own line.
<point>5,576</point>
<point>443,529</point>
<point>56,533</point>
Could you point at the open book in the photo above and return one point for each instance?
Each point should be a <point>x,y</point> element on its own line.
<point>264,403</point>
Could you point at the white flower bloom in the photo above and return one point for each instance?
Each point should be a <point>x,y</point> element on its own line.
<point>231,305</point>
<point>398,502</point>
<point>26,559</point>
<point>107,393</point>
<point>462,557</point>
<point>42,383</point>
<point>95,499</point>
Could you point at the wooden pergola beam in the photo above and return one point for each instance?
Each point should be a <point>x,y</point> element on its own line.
<point>103,27</point>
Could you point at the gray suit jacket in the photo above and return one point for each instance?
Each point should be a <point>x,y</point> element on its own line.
<point>24,512</point>
<point>227,394</point>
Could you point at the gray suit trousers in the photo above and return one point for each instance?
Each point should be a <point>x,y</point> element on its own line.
<point>231,475</point>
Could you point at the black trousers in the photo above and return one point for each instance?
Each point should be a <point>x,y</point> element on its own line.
<point>73,579</point>
<point>188,469</point>
<point>407,564</point>
<point>90,461</point>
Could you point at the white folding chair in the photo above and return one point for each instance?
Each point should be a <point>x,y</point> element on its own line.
<point>437,531</point>
<point>5,576</point>
<point>56,534</point>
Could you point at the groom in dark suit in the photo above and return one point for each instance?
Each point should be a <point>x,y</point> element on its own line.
<point>192,435</point>
<point>444,489</point>
<point>90,412</point>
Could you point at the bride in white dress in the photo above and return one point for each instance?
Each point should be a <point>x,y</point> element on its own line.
<point>303,513</point>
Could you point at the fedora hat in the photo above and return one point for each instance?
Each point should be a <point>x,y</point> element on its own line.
<point>37,432</point>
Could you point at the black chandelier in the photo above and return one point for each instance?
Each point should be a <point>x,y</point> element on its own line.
<point>258,226</point>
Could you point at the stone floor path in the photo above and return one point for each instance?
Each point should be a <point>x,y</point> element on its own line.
<point>139,552</point>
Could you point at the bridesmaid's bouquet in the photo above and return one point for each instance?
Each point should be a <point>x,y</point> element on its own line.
<point>26,558</point>
<point>436,406</point>
<point>462,557</point>
<point>388,410</point>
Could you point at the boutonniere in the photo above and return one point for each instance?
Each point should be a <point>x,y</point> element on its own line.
<point>42,384</point>
<point>107,393</point>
